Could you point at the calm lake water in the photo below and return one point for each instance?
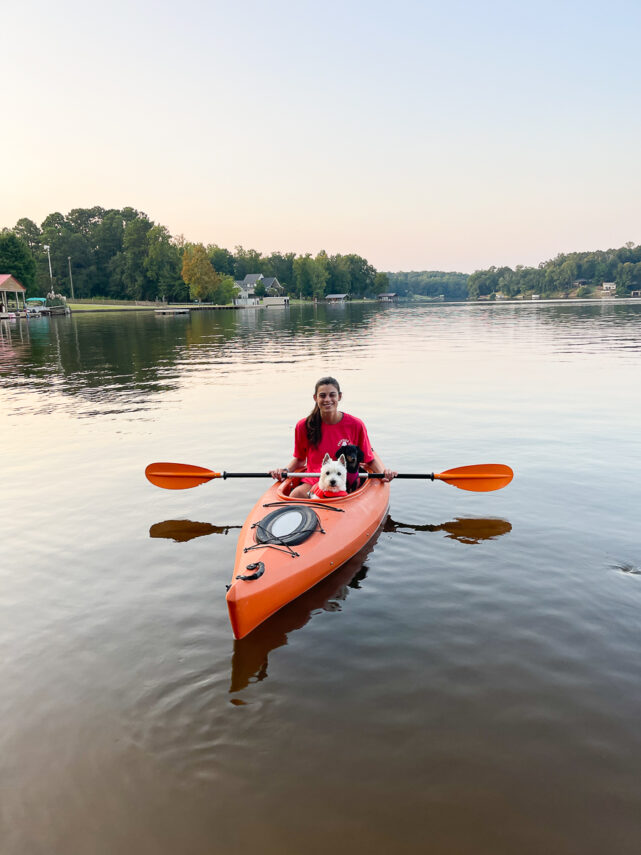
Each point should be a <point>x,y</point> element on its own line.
<point>469,684</point>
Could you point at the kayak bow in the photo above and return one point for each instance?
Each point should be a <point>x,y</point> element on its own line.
<point>286,546</point>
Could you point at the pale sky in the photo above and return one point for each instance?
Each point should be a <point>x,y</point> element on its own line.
<point>423,136</point>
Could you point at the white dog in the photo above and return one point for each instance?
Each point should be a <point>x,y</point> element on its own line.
<point>333,479</point>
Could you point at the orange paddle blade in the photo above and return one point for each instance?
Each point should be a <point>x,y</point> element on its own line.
<point>178,476</point>
<point>481,478</point>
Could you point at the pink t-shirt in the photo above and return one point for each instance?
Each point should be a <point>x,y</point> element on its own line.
<point>349,431</point>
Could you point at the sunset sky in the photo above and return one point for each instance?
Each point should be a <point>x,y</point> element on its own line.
<point>423,136</point>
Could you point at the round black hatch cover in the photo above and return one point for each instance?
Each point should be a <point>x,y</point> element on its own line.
<point>287,526</point>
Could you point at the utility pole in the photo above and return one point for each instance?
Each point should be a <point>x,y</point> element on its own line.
<point>70,277</point>
<point>50,273</point>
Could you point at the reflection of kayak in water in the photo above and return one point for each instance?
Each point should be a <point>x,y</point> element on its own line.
<point>468,530</point>
<point>287,546</point>
<point>250,658</point>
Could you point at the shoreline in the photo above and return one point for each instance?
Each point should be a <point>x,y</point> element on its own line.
<point>93,307</point>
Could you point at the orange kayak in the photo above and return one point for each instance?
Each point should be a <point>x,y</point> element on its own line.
<point>286,546</point>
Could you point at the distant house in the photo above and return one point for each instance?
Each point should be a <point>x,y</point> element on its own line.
<point>609,286</point>
<point>246,291</point>
<point>248,285</point>
<point>635,293</point>
<point>335,298</point>
<point>273,288</point>
<point>536,296</point>
<point>578,283</point>
<point>388,297</point>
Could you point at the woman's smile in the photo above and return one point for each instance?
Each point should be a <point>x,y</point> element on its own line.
<point>327,398</point>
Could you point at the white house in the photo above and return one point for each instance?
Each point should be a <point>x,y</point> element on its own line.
<point>609,286</point>
<point>246,291</point>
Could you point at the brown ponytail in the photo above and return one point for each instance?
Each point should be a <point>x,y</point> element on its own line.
<point>314,423</point>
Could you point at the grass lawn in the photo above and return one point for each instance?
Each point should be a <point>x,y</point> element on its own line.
<point>108,307</point>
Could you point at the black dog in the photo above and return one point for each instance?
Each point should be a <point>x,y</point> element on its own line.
<point>353,458</point>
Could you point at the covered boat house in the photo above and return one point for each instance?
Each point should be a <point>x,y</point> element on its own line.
<point>10,285</point>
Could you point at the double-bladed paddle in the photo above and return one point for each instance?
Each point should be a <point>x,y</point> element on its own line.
<point>480,478</point>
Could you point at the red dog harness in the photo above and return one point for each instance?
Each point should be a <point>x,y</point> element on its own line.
<point>325,494</point>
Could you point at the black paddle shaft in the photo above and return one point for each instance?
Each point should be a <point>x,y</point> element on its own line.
<point>246,475</point>
<point>424,475</point>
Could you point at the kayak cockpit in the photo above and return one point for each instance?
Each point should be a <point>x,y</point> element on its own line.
<point>284,489</point>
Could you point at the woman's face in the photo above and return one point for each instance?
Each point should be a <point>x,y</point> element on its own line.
<point>327,398</point>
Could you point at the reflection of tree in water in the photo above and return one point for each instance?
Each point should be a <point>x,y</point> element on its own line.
<point>105,356</point>
<point>134,356</point>
<point>568,325</point>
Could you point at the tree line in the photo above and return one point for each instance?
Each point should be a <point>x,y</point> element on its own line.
<point>429,283</point>
<point>576,273</point>
<point>122,254</point>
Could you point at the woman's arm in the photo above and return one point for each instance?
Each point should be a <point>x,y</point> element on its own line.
<point>294,464</point>
<point>377,466</point>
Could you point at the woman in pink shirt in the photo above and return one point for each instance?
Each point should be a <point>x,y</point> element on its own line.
<point>324,431</point>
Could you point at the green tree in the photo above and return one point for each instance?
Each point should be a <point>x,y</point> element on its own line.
<point>320,274</point>
<point>163,265</point>
<point>246,261</point>
<point>281,265</point>
<point>482,283</point>
<point>16,259</point>
<point>339,279</point>
<point>108,236</point>
<point>222,260</point>
<point>310,275</point>
<point>85,221</point>
<point>30,233</point>
<point>628,278</point>
<point>137,284</point>
<point>225,292</point>
<point>381,283</point>
<point>361,275</point>
<point>303,275</point>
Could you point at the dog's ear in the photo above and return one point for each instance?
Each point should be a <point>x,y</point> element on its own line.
<point>360,454</point>
<point>326,458</point>
<point>342,461</point>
